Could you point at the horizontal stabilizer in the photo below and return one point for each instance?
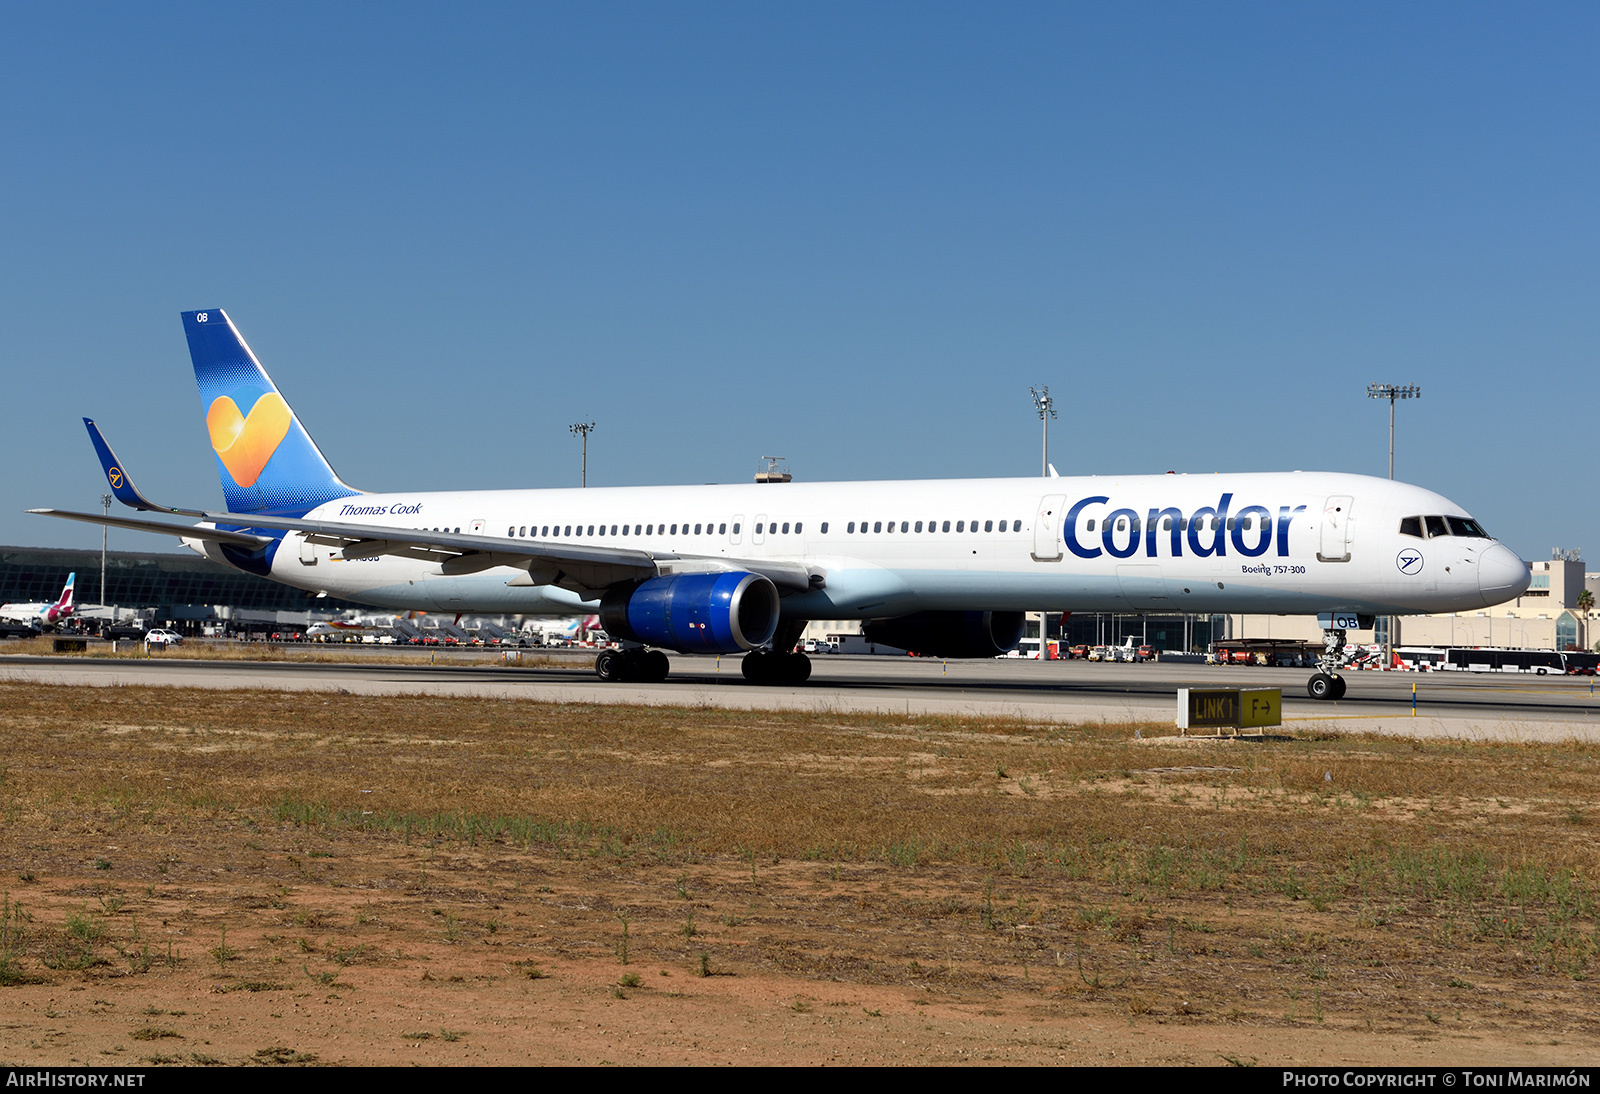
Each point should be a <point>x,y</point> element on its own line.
<point>182,531</point>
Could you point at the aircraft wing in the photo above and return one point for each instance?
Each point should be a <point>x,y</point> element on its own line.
<point>582,567</point>
<point>585,568</point>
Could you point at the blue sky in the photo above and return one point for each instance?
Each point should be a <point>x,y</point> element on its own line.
<point>851,235</point>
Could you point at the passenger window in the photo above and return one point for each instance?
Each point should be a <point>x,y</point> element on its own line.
<point>1214,522</point>
<point>511,532</point>
<point>1231,521</point>
<point>613,529</point>
<point>1166,524</point>
<point>624,529</point>
<point>891,526</point>
<point>1091,524</point>
<point>877,526</point>
<point>905,526</point>
<point>961,526</point>
<point>636,529</point>
<point>785,527</point>
<point>988,526</point>
<point>649,529</point>
<point>797,528</point>
<point>735,529</point>
<point>919,526</point>
<point>758,529</point>
<point>824,527</point>
<point>850,528</point>
<point>1436,526</point>
<point>946,526</point>
<point>674,530</point>
<point>1122,524</point>
<point>722,529</point>
<point>697,529</point>
<point>1411,526</point>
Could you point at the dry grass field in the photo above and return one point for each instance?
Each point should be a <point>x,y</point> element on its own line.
<point>279,878</point>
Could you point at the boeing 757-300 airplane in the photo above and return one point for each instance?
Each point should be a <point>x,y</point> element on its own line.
<point>943,567</point>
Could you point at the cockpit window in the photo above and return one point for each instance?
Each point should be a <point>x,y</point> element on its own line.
<point>1411,526</point>
<point>1465,526</point>
<point>1436,526</point>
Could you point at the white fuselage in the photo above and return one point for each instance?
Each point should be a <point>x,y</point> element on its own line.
<point>1289,543</point>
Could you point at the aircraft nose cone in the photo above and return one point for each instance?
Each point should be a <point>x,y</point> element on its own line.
<point>1501,575</point>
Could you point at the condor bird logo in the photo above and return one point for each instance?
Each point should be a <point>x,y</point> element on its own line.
<point>245,443</point>
<point>114,475</point>
<point>1409,561</point>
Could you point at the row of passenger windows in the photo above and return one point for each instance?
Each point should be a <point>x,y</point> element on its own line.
<point>708,528</point>
<point>1441,526</point>
<point>773,528</point>
<point>1247,523</point>
<point>933,526</point>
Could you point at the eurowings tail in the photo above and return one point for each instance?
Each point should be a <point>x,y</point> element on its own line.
<point>265,458</point>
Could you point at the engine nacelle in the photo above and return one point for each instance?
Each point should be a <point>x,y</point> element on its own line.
<point>694,613</point>
<point>949,634</point>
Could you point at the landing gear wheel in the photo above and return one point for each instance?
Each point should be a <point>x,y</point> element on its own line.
<point>757,667</point>
<point>1325,686</point>
<point>611,667</point>
<point>798,669</point>
<point>655,667</point>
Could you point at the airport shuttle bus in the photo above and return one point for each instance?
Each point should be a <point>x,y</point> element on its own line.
<point>942,567</point>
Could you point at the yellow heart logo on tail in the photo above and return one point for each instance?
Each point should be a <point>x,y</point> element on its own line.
<point>245,444</point>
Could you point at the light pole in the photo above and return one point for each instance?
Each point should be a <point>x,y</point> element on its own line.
<point>105,502</point>
<point>1391,392</point>
<point>583,429</point>
<point>1047,409</point>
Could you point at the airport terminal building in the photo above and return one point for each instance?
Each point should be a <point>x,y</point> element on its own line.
<point>180,589</point>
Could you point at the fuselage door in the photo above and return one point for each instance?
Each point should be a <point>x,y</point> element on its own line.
<point>1047,529</point>
<point>1335,543</point>
<point>308,551</point>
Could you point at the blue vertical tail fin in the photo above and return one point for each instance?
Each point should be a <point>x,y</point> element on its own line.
<point>265,458</point>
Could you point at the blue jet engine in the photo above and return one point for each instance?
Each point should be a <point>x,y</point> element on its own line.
<point>694,613</point>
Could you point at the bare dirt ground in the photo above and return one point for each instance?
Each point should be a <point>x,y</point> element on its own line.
<point>200,877</point>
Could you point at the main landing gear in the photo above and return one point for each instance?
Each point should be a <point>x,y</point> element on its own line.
<point>769,667</point>
<point>1327,683</point>
<point>635,666</point>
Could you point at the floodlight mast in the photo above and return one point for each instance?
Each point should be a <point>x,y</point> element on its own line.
<point>105,502</point>
<point>1393,392</point>
<point>583,429</point>
<point>1047,409</point>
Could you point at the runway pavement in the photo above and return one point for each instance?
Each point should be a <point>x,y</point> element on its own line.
<point>1474,706</point>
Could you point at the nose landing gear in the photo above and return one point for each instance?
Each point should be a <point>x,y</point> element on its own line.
<point>1327,683</point>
